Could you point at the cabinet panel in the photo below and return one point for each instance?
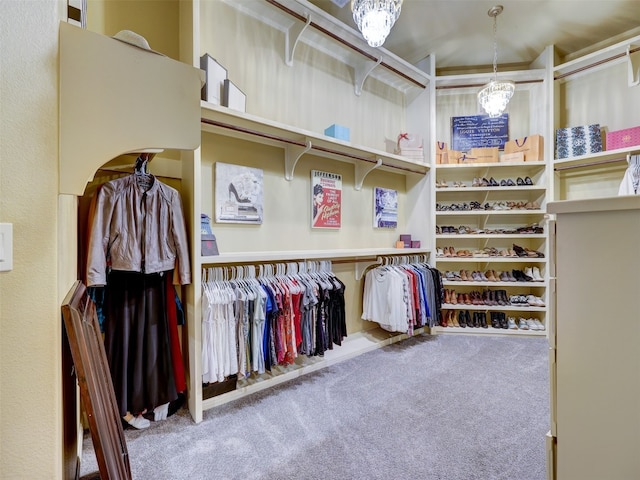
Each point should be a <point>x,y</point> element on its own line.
<point>598,368</point>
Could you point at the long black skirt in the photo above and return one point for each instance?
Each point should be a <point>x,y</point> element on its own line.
<point>137,341</point>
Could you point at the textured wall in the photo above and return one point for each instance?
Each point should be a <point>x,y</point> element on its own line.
<point>30,419</point>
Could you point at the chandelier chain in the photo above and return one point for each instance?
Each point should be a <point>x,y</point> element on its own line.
<point>495,46</point>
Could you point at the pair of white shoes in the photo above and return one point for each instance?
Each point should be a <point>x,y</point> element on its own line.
<point>530,324</point>
<point>534,301</point>
<point>159,413</point>
<point>534,273</point>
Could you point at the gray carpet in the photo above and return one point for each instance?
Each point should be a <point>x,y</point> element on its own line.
<point>443,407</point>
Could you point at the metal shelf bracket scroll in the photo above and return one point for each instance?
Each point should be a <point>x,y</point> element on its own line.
<point>292,37</point>
<point>362,170</point>
<point>292,154</point>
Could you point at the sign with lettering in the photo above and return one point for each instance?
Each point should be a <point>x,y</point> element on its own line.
<point>479,131</point>
<point>326,199</point>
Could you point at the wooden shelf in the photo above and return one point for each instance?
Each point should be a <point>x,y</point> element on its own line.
<point>459,190</point>
<point>448,213</point>
<point>302,21</point>
<point>594,159</point>
<point>490,259</point>
<point>487,331</point>
<point>448,166</point>
<point>463,283</point>
<point>296,142</point>
<point>356,253</point>
<point>454,236</point>
<point>492,308</point>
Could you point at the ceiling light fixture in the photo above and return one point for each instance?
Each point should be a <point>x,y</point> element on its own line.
<point>375,18</point>
<point>495,95</point>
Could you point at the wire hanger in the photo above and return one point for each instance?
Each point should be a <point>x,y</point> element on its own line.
<point>143,178</point>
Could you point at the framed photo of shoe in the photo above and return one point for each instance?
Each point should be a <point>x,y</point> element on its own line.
<point>239,194</point>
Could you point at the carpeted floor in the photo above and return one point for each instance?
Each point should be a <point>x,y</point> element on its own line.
<point>451,407</point>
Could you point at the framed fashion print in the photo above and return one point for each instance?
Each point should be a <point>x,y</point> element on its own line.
<point>326,199</point>
<point>239,194</point>
<point>385,208</point>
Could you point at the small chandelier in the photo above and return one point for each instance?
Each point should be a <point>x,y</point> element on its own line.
<point>375,18</point>
<point>495,95</point>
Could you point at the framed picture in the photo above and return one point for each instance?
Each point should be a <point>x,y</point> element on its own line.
<point>385,208</point>
<point>233,97</point>
<point>239,194</point>
<point>215,75</point>
<point>479,131</point>
<point>326,199</point>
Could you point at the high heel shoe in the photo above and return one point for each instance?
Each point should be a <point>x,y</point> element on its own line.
<point>232,189</point>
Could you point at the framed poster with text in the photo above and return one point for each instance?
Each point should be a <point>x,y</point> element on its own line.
<point>326,199</point>
<point>479,131</point>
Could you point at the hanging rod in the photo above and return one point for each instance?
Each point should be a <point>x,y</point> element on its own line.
<point>590,164</point>
<point>477,85</point>
<point>595,64</point>
<point>302,144</point>
<point>346,43</point>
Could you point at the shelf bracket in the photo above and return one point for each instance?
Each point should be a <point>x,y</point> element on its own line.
<point>360,267</point>
<point>292,36</point>
<point>634,70</point>
<point>362,170</point>
<point>362,72</point>
<point>292,154</point>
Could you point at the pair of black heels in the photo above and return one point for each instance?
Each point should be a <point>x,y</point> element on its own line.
<point>522,182</point>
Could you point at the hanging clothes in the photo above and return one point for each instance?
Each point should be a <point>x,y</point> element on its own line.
<point>402,297</point>
<point>276,318</point>
<point>137,238</point>
<point>630,184</point>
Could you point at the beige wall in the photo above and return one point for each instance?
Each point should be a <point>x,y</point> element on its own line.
<point>30,392</point>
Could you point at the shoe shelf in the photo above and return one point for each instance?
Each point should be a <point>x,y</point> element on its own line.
<point>487,331</point>
<point>490,260</point>
<point>475,236</point>
<point>463,283</point>
<point>475,213</point>
<point>485,167</point>
<point>461,190</point>
<point>492,308</point>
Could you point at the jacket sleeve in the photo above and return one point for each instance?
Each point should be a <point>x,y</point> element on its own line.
<point>99,237</point>
<point>179,232</point>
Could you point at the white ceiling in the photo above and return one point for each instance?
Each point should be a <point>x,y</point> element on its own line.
<point>460,32</point>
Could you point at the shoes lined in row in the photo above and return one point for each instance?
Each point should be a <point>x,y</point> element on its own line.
<point>465,230</point>
<point>462,318</point>
<point>514,252</point>
<point>491,182</point>
<point>530,274</point>
<point>495,206</point>
<point>491,298</point>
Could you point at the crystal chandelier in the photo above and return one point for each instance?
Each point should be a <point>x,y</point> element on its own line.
<point>375,18</point>
<point>495,95</point>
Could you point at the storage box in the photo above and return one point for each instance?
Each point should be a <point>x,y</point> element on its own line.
<point>338,131</point>
<point>215,75</point>
<point>409,140</point>
<point>406,240</point>
<point>415,243</point>
<point>455,156</point>
<point>577,141</point>
<point>399,244</point>
<point>628,137</point>
<point>484,155</point>
<point>532,147</point>
<point>512,157</point>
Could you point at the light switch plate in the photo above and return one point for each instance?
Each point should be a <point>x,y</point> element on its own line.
<point>6,247</point>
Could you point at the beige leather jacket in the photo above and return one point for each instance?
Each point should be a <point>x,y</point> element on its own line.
<point>137,231</point>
